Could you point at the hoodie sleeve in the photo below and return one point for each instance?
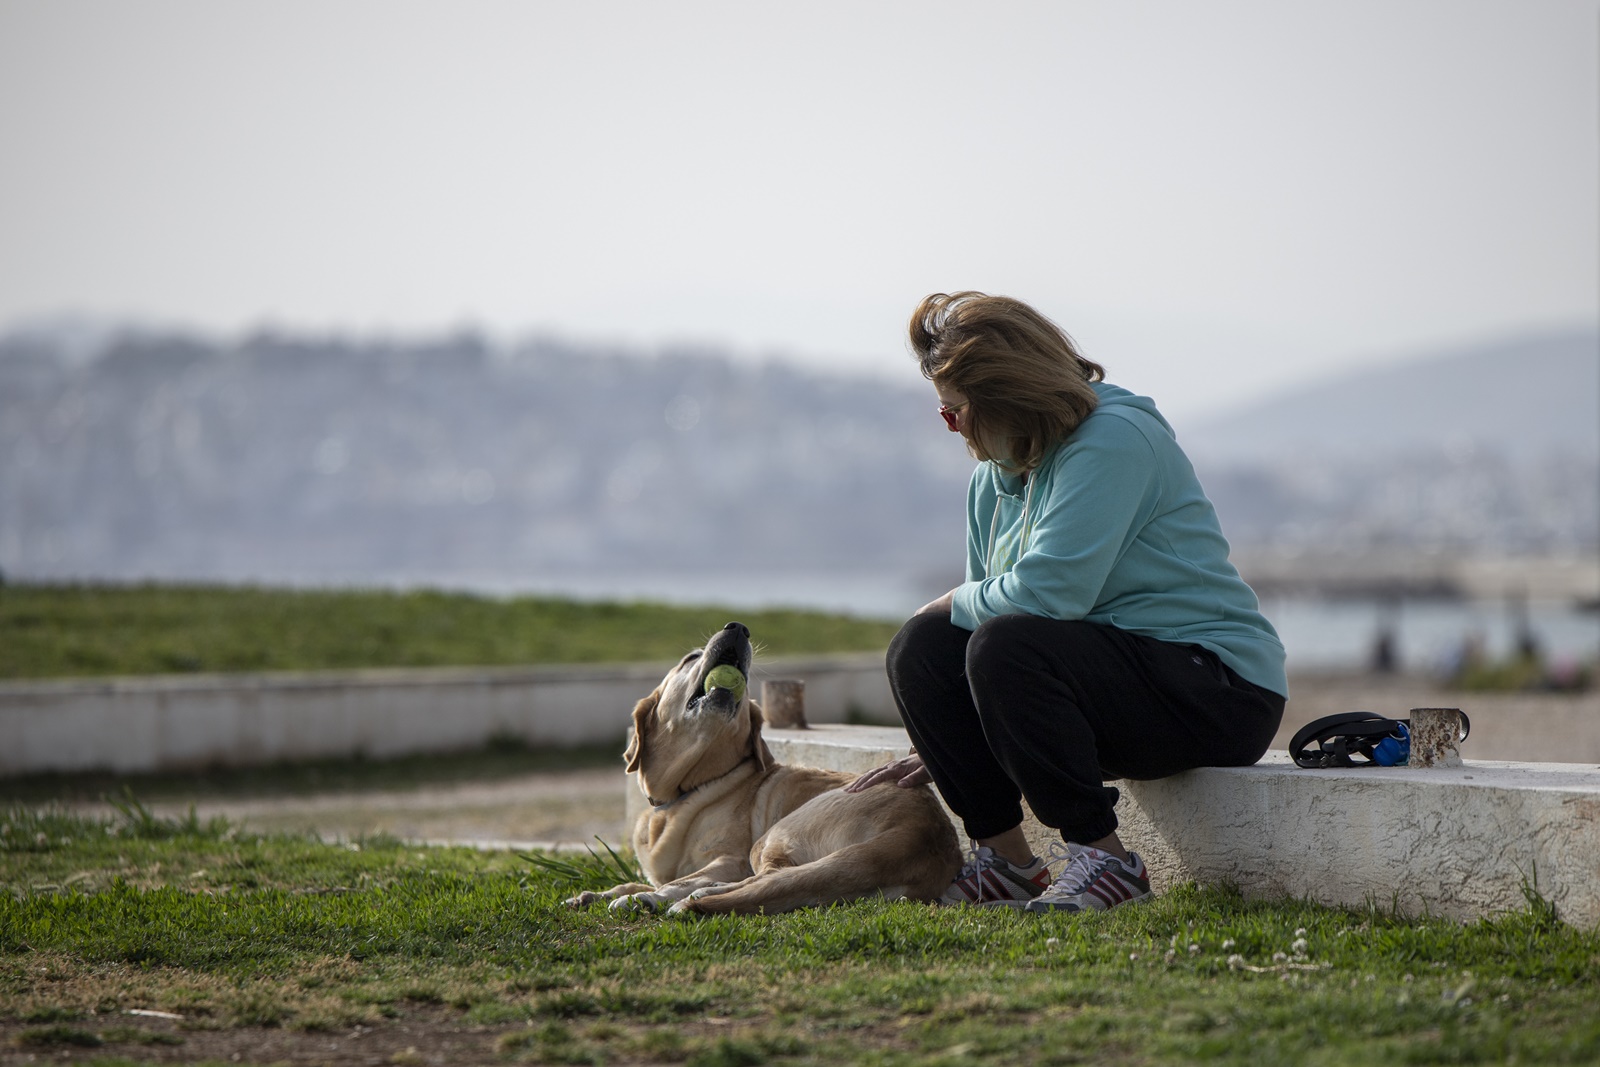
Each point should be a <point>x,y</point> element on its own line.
<point>1101,491</point>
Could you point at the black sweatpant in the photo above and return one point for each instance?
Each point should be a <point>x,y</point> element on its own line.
<point>1048,710</point>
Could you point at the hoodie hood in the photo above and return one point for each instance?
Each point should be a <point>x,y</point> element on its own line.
<point>1111,400</point>
<point>1114,399</point>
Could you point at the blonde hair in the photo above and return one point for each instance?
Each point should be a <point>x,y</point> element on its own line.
<point>1026,382</point>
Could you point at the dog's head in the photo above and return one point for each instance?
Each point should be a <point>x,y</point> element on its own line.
<point>684,734</point>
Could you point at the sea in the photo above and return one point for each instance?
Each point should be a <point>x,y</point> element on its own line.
<point>1320,634</point>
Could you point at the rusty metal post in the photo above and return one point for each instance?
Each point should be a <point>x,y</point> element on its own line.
<point>1433,737</point>
<point>783,703</point>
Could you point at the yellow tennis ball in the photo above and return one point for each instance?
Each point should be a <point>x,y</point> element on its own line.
<point>727,677</point>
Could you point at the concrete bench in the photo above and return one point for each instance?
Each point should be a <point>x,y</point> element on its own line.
<point>1457,842</point>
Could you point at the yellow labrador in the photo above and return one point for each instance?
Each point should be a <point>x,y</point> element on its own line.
<point>730,830</point>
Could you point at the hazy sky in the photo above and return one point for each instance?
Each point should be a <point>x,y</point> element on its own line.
<point>1216,198</point>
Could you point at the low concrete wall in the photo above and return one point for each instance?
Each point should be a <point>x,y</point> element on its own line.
<point>148,724</point>
<point>1458,842</point>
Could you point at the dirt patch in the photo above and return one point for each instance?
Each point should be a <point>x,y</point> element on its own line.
<point>549,809</point>
<point>424,1036</point>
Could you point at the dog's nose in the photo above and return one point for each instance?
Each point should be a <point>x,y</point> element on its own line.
<point>739,628</point>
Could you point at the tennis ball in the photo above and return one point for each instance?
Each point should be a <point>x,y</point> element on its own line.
<point>727,677</point>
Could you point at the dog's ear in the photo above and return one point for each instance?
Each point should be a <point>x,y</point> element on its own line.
<point>643,712</point>
<point>758,745</point>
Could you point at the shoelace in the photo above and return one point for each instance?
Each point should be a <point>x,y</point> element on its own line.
<point>1081,870</point>
<point>1059,851</point>
<point>981,858</point>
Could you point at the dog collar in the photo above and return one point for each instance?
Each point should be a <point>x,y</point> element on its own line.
<point>657,805</point>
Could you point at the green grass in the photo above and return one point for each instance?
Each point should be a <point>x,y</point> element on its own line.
<point>236,933</point>
<point>98,630</point>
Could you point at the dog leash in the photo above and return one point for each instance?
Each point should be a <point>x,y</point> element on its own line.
<point>1339,738</point>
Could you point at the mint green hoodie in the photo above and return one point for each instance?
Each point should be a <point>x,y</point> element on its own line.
<point>1116,530</point>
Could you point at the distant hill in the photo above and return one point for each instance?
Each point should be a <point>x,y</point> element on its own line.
<point>1521,398</point>
<point>127,454</point>
<point>1489,449</point>
<point>455,462</point>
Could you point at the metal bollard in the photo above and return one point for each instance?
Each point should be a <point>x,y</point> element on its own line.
<point>783,703</point>
<point>1434,734</point>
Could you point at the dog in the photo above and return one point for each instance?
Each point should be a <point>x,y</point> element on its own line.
<point>730,830</point>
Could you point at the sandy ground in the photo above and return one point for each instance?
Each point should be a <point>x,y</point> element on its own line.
<point>552,809</point>
<point>1539,727</point>
<point>569,809</point>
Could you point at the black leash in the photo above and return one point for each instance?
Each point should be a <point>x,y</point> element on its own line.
<point>1340,738</point>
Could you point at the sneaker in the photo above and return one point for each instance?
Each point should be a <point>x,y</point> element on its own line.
<point>1094,881</point>
<point>987,879</point>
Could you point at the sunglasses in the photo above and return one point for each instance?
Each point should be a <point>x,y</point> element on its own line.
<point>952,415</point>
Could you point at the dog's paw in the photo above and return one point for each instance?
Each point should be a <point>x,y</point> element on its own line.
<point>710,890</point>
<point>687,905</point>
<point>637,903</point>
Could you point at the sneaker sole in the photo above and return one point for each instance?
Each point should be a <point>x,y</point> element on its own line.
<point>1039,906</point>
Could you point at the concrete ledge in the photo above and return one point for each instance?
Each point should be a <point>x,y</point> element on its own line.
<point>129,725</point>
<point>1459,842</point>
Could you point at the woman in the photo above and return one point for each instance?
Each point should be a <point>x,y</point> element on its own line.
<point>1101,632</point>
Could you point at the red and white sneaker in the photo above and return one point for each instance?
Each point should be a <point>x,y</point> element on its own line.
<point>1095,881</point>
<point>989,880</point>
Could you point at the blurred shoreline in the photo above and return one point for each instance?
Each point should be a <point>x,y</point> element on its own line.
<point>1442,576</point>
<point>1433,611</point>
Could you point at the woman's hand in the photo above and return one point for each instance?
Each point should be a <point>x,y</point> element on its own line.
<point>943,604</point>
<point>904,772</point>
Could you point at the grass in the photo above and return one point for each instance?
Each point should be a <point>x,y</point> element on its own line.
<point>401,951</point>
<point>99,630</point>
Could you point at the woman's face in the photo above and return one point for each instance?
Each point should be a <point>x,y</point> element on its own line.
<point>953,408</point>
